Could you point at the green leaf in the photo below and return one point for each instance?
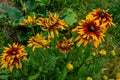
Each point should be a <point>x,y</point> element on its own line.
<point>2,16</point>
<point>71,16</point>
<point>30,4</point>
<point>51,61</point>
<point>50,64</point>
<point>22,36</point>
<point>34,77</point>
<point>82,71</point>
<point>63,74</point>
<point>43,2</point>
<point>13,13</point>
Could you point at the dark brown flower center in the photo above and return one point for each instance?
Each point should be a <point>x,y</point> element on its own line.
<point>14,52</point>
<point>91,28</point>
<point>102,14</point>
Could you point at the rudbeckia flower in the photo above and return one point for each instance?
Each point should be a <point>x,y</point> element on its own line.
<point>101,16</point>
<point>89,31</point>
<point>65,45</point>
<point>29,21</point>
<point>13,55</point>
<point>38,41</point>
<point>53,23</point>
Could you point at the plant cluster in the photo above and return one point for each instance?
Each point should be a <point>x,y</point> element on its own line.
<point>51,44</point>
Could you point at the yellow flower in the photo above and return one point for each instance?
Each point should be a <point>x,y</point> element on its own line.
<point>13,55</point>
<point>69,67</point>
<point>65,45</point>
<point>105,77</point>
<point>38,41</point>
<point>29,21</point>
<point>53,23</point>
<point>102,52</point>
<point>89,78</point>
<point>101,16</point>
<point>113,53</point>
<point>89,31</point>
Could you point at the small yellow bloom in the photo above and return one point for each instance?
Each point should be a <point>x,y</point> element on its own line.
<point>89,78</point>
<point>69,67</point>
<point>113,53</point>
<point>105,77</point>
<point>102,52</point>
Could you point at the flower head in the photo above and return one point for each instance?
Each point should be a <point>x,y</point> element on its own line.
<point>65,45</point>
<point>89,31</point>
<point>29,20</point>
<point>13,55</point>
<point>101,16</point>
<point>69,67</point>
<point>52,24</point>
<point>38,41</point>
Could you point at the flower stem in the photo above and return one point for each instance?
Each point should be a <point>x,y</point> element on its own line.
<point>33,30</point>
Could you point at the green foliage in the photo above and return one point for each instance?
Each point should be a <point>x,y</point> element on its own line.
<point>13,13</point>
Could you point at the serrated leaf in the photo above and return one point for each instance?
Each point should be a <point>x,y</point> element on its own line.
<point>70,17</point>
<point>12,12</point>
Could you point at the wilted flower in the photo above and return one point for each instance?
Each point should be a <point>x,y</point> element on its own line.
<point>13,55</point>
<point>65,45</point>
<point>30,20</point>
<point>69,67</point>
<point>38,41</point>
<point>89,78</point>
<point>89,31</point>
<point>52,24</point>
<point>101,16</point>
<point>102,52</point>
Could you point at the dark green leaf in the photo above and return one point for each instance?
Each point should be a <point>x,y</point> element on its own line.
<point>13,13</point>
<point>30,5</point>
